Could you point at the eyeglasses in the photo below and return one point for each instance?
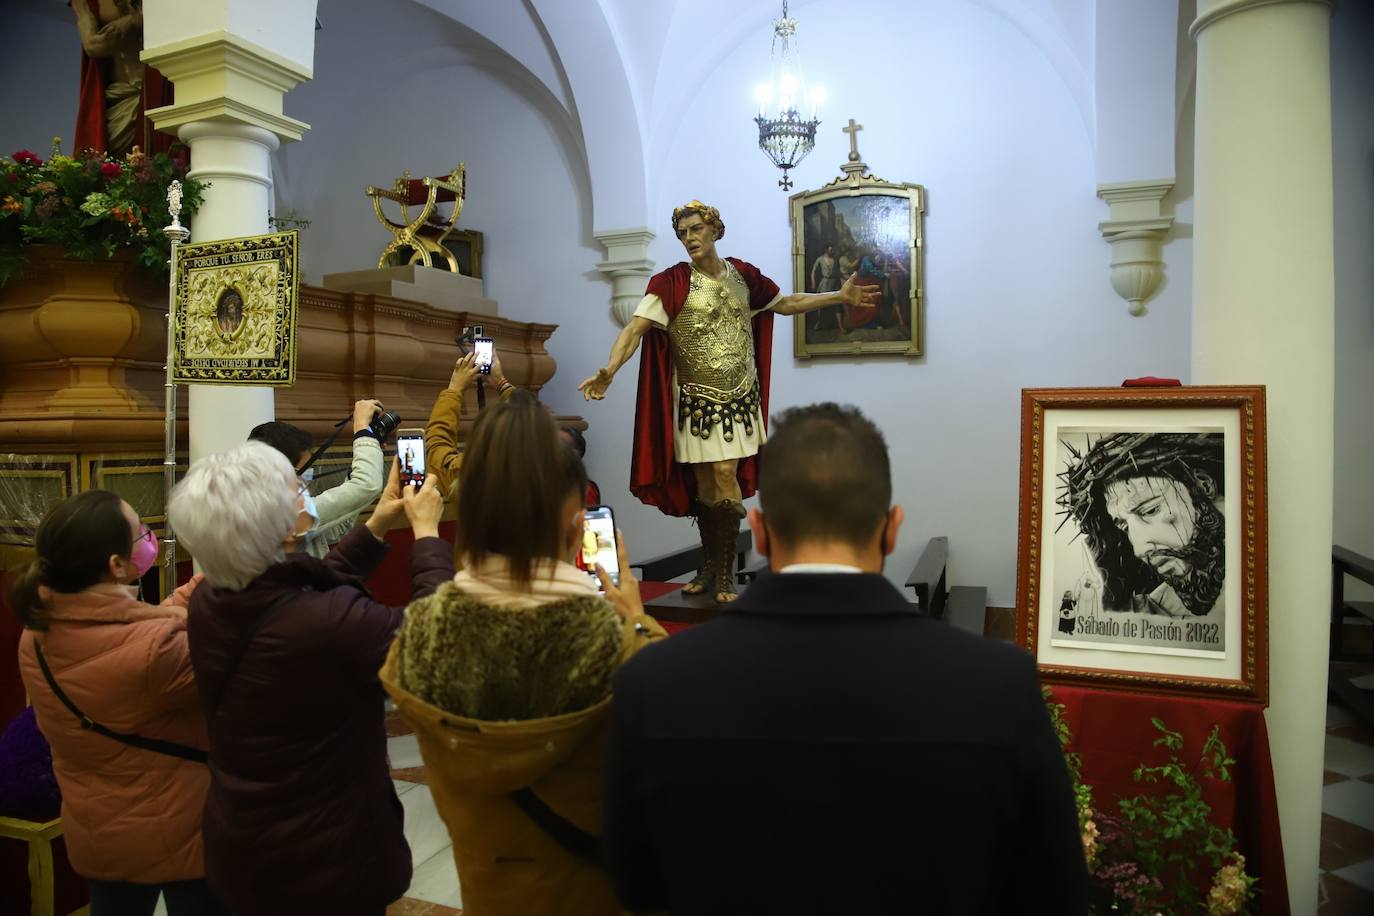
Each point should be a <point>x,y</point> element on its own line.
<point>302,487</point>
<point>145,534</point>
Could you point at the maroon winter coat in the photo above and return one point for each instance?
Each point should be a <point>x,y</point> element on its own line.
<point>301,815</point>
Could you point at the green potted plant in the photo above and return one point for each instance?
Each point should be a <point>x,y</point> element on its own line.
<point>1159,852</point>
<point>83,291</point>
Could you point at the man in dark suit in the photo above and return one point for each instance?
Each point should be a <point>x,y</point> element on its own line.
<point>822,747</point>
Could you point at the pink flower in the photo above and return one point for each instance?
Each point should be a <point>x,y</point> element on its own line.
<point>111,170</point>
<point>24,157</point>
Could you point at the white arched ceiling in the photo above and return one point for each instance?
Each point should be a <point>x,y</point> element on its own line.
<point>573,49</point>
<point>511,26</point>
<point>624,68</point>
<point>606,107</point>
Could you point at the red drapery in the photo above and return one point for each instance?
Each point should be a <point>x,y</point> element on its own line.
<point>1113,733</point>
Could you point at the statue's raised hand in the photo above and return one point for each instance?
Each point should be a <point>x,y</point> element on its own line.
<point>854,294</point>
<point>594,388</point>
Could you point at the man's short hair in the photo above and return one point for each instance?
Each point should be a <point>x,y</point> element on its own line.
<point>824,476</point>
<point>290,440</point>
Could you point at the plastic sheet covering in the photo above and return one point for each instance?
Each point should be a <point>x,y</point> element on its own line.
<point>30,485</point>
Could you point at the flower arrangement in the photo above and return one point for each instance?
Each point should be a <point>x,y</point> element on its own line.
<point>1159,850</point>
<point>90,205</point>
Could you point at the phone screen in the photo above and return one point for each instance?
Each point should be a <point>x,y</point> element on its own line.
<point>483,347</point>
<point>410,450</point>
<point>598,543</point>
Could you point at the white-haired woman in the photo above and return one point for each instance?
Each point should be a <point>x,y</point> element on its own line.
<point>301,814</point>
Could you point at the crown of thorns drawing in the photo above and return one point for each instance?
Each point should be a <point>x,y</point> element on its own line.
<point>1182,456</point>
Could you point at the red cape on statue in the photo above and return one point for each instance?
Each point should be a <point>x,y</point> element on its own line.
<point>655,478</point>
<point>90,106</point>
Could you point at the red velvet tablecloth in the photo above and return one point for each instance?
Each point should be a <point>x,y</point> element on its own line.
<point>1113,733</point>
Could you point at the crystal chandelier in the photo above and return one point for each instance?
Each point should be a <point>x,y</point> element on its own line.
<point>783,134</point>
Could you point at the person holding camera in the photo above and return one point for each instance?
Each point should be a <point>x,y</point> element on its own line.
<point>334,511</point>
<point>441,435</point>
<point>505,673</point>
<point>444,457</point>
<point>301,814</point>
<point>131,814</point>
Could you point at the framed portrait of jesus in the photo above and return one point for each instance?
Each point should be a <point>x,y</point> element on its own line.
<point>1142,561</point>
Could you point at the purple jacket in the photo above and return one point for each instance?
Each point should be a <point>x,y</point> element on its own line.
<point>301,814</point>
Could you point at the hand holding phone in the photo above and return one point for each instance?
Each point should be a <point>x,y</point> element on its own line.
<point>623,591</point>
<point>485,349</point>
<point>410,455</point>
<point>599,543</point>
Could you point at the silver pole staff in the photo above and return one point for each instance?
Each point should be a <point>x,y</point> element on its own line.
<point>176,234</point>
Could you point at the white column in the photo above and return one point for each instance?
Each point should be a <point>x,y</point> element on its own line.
<point>228,109</point>
<point>235,158</point>
<point>1263,311</point>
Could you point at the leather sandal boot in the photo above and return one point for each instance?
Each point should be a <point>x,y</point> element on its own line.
<point>706,577</point>
<point>728,513</point>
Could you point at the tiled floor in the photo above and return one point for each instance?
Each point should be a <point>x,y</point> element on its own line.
<point>434,884</point>
<point>1347,845</point>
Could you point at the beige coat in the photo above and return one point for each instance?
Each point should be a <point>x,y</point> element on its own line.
<point>128,814</point>
<point>507,866</point>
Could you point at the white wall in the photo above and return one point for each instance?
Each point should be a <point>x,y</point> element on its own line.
<point>1017,284</point>
<point>1352,141</point>
<point>954,97</point>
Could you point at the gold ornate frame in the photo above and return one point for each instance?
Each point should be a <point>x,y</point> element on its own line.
<point>858,183</point>
<point>261,348</point>
<point>1241,672</point>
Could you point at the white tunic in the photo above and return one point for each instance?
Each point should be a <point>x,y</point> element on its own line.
<point>689,449</point>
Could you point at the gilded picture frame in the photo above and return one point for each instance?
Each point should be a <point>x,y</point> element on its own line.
<point>859,224</point>
<point>234,320</point>
<point>1142,561</point>
<point>466,246</point>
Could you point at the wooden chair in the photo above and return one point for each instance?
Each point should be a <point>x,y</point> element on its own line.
<point>42,892</point>
<point>423,236</point>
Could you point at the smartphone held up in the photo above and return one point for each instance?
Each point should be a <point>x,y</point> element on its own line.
<point>410,453</point>
<point>598,543</point>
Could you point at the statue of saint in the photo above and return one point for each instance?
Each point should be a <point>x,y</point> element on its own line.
<point>116,88</point>
<point>707,327</point>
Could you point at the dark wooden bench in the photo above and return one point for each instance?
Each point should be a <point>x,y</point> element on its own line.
<point>963,606</point>
<point>1345,562</point>
<point>927,577</point>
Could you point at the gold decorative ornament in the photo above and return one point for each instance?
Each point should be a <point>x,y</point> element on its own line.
<point>235,317</point>
<point>423,235</point>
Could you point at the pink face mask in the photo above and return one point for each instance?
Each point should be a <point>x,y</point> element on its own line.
<point>144,554</point>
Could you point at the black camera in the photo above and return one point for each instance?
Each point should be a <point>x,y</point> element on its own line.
<point>384,424</point>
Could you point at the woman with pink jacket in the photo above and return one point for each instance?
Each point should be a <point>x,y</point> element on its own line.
<point>131,771</point>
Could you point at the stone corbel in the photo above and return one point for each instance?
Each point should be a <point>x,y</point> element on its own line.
<point>628,266</point>
<point>1136,232</point>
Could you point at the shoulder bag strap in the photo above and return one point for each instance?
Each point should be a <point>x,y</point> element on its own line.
<point>573,839</point>
<point>169,748</point>
<point>212,703</point>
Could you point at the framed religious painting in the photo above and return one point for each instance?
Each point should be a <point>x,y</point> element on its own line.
<point>234,320</point>
<point>1142,561</point>
<point>862,225</point>
<point>466,247</point>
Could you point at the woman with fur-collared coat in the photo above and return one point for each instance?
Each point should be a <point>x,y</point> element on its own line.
<point>506,673</point>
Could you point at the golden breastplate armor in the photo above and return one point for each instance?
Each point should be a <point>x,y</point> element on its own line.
<point>713,350</point>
